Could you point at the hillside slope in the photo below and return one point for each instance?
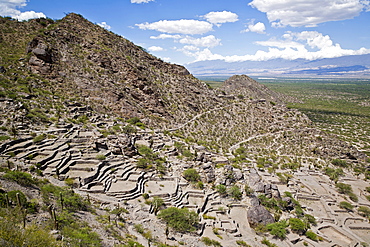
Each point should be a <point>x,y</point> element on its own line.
<point>102,143</point>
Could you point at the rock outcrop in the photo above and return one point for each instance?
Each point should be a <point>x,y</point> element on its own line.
<point>258,214</point>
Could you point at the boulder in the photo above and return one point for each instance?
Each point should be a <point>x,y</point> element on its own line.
<point>258,214</point>
<point>254,178</point>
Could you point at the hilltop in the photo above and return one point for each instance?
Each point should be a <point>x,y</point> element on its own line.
<point>104,142</point>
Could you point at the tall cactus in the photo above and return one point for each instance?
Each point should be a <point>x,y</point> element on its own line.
<point>55,219</point>
<point>7,200</point>
<point>61,200</point>
<point>18,200</point>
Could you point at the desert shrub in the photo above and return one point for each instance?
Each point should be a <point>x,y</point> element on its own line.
<point>311,235</point>
<point>364,211</point>
<point>180,219</point>
<point>145,151</point>
<point>343,188</point>
<point>221,189</point>
<point>346,205</point>
<point>291,166</point>
<point>4,138</point>
<point>100,157</point>
<point>268,243</point>
<point>367,189</point>
<point>157,202</point>
<point>191,175</point>
<point>278,229</point>
<point>13,201</point>
<point>242,243</point>
<point>339,162</point>
<point>65,197</point>
<point>80,234</point>
<point>22,178</point>
<point>12,234</point>
<point>248,190</point>
<point>136,121</point>
<point>270,203</point>
<point>333,174</point>
<point>210,242</point>
<point>200,185</point>
<point>39,138</point>
<point>235,192</point>
<point>144,163</point>
<point>310,219</point>
<point>297,225</point>
<point>353,196</point>
<point>129,129</point>
<point>205,216</point>
<point>284,177</point>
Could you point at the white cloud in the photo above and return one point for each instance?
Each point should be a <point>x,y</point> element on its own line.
<point>309,45</point>
<point>155,48</point>
<point>259,27</point>
<point>309,13</point>
<point>104,25</point>
<point>141,1</point>
<point>10,8</point>
<point>166,36</point>
<point>221,17</point>
<point>207,41</point>
<point>178,26</point>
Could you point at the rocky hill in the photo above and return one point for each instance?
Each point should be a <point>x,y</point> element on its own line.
<point>103,144</point>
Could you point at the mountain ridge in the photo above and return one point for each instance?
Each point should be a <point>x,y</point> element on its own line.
<point>350,66</point>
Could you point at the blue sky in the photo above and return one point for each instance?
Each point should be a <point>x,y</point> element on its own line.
<point>185,31</point>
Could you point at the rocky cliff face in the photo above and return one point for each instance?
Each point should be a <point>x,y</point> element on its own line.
<point>83,106</point>
<point>114,75</point>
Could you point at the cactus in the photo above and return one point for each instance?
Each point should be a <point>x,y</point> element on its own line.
<point>61,200</point>
<point>50,210</point>
<point>7,200</point>
<point>55,219</point>
<point>18,200</point>
<point>24,217</point>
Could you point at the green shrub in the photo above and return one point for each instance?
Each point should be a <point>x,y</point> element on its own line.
<point>333,174</point>
<point>180,219</point>
<point>22,178</point>
<point>65,197</point>
<point>353,196</point>
<point>13,234</point>
<point>248,190</point>
<point>364,211</point>
<point>205,216</point>
<point>235,192</point>
<point>339,162</point>
<point>221,189</point>
<point>200,185</point>
<point>39,138</point>
<point>210,242</point>
<point>278,229</point>
<point>3,138</point>
<point>346,205</point>
<point>310,219</point>
<point>297,225</point>
<point>311,235</point>
<point>136,121</point>
<point>157,202</point>
<point>191,175</point>
<point>100,157</point>
<point>129,129</point>
<point>343,188</point>
<point>268,243</point>
<point>242,243</point>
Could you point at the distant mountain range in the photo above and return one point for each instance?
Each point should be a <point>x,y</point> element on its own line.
<point>346,66</point>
